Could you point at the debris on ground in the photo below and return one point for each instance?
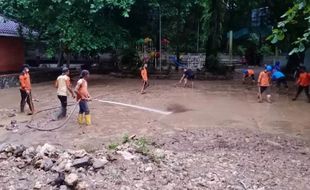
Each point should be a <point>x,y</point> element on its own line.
<point>199,159</point>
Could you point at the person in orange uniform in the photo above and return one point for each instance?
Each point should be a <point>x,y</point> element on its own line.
<point>83,97</point>
<point>248,73</point>
<point>63,86</point>
<point>303,83</point>
<point>144,78</point>
<point>25,90</point>
<point>264,82</point>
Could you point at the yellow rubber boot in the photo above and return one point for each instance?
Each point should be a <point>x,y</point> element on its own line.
<point>88,119</point>
<point>81,119</point>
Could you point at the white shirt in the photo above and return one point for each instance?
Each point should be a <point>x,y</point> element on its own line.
<point>62,81</point>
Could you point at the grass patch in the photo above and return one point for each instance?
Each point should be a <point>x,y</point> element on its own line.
<point>142,146</point>
<point>113,146</point>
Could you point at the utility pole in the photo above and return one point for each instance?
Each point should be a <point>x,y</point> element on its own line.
<point>160,55</point>
<point>231,9</point>
<point>198,33</point>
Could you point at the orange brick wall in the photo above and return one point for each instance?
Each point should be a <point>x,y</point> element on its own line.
<point>11,54</point>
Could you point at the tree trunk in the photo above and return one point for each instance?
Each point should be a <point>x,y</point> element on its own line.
<point>60,58</point>
<point>68,60</point>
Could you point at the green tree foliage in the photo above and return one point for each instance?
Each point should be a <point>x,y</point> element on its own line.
<point>295,27</point>
<point>213,20</point>
<point>82,26</point>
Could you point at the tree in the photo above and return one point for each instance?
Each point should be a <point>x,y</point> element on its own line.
<point>213,19</point>
<point>71,26</point>
<point>294,27</point>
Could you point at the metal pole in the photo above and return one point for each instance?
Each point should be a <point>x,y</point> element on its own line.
<point>198,37</point>
<point>230,46</point>
<point>160,55</point>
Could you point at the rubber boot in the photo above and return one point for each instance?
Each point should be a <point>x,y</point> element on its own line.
<point>269,99</point>
<point>81,119</point>
<point>88,119</point>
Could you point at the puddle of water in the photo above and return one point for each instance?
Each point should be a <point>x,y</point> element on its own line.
<point>177,108</point>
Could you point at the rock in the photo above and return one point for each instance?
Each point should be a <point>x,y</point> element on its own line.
<point>125,188</point>
<point>100,163</point>
<point>159,153</point>
<point>64,156</point>
<point>68,166</point>
<point>71,179</point>
<point>148,169</point>
<point>38,185</point>
<point>60,180</point>
<point>29,153</point>
<point>78,153</point>
<point>9,148</point>
<point>3,156</point>
<point>11,114</point>
<point>63,187</point>
<point>81,170</point>
<point>13,122</point>
<point>81,162</point>
<point>111,158</point>
<point>46,164</point>
<point>3,147</point>
<point>274,143</point>
<point>126,155</point>
<point>1,125</point>
<point>82,186</point>
<point>46,150</point>
<point>38,164</point>
<point>18,152</point>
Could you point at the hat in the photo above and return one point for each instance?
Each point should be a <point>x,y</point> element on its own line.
<point>245,71</point>
<point>24,67</point>
<point>84,73</point>
<point>268,68</point>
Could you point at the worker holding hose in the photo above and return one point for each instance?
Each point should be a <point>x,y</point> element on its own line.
<point>25,90</point>
<point>83,97</point>
<point>63,86</point>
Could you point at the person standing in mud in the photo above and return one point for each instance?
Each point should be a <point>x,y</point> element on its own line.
<point>63,86</point>
<point>83,97</point>
<point>144,75</point>
<point>264,82</point>
<point>25,90</point>
<point>303,83</point>
<point>188,74</point>
<point>279,78</point>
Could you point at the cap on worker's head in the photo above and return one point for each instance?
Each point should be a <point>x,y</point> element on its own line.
<point>277,63</point>
<point>65,69</point>
<point>145,65</point>
<point>268,68</point>
<point>245,71</point>
<point>84,73</point>
<point>24,67</point>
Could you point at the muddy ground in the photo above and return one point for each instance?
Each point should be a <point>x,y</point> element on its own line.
<point>217,134</point>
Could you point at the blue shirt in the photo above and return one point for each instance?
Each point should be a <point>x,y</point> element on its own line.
<point>189,73</point>
<point>277,75</point>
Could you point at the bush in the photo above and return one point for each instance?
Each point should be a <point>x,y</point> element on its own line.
<point>215,67</point>
<point>129,60</point>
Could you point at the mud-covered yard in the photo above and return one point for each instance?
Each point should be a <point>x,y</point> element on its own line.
<point>217,137</point>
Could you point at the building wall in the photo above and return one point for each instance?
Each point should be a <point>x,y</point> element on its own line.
<point>11,54</point>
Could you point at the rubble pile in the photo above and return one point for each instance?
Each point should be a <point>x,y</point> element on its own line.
<point>202,159</point>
